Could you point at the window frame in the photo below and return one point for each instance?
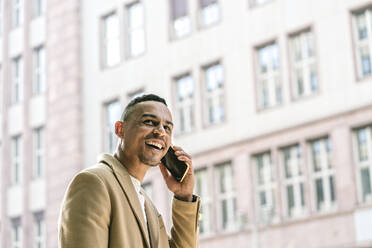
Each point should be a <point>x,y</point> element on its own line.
<point>325,175</point>
<point>220,94</point>
<point>190,103</point>
<point>39,70</point>
<point>294,180</point>
<point>185,19</point>
<point>269,216</point>
<point>16,160</point>
<point>207,199</point>
<point>107,130</point>
<point>17,20</point>
<point>201,14</point>
<point>362,165</point>
<point>271,75</point>
<point>17,71</point>
<point>308,63</point>
<point>129,30</point>
<point>105,40</point>
<point>39,230</point>
<point>230,196</point>
<point>38,153</point>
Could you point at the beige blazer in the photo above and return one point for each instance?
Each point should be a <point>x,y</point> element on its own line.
<point>101,209</point>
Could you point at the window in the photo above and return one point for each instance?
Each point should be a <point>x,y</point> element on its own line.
<point>16,160</point>
<point>293,180</point>
<point>39,83</point>
<point>210,12</point>
<point>265,187</point>
<point>322,174</point>
<point>136,29</point>
<point>181,22</point>
<point>39,7</point>
<point>362,36</point>
<point>111,40</point>
<point>17,82</point>
<point>38,152</point>
<point>113,113</point>
<point>214,94</point>
<point>185,103</point>
<point>226,198</point>
<point>39,230</point>
<point>202,189</point>
<point>16,234</point>
<point>304,75</point>
<point>269,85</point>
<point>363,157</point>
<point>17,13</point>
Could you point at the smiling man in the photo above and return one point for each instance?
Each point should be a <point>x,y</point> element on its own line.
<point>105,206</point>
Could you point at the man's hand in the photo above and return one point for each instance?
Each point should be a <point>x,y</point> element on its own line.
<point>182,190</point>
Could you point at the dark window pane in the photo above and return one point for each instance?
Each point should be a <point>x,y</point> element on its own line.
<point>366,183</point>
<point>319,193</point>
<point>179,8</point>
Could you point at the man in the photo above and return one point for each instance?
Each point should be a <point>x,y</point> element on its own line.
<point>105,206</point>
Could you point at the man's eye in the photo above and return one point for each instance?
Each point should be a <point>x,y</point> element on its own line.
<point>149,122</point>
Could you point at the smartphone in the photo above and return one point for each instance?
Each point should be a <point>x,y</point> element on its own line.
<point>176,167</point>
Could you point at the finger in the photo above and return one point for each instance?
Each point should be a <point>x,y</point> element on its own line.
<point>164,171</point>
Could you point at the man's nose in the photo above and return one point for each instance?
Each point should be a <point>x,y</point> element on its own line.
<point>159,130</point>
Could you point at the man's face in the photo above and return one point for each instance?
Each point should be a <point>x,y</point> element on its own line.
<point>147,133</point>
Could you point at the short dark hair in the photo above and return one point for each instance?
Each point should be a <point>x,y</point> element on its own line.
<point>143,98</point>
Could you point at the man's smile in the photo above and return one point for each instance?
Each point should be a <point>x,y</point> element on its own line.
<point>156,144</point>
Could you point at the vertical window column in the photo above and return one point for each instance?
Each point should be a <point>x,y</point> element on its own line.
<point>17,80</point>
<point>16,169</point>
<point>202,189</point>
<point>185,103</point>
<point>39,7</point>
<point>39,230</point>
<point>16,233</point>
<point>362,22</point>
<point>293,180</point>
<point>181,21</point>
<point>111,40</point>
<point>39,73</point>
<point>269,84</point>
<point>363,157</point>
<point>112,115</point>
<point>323,175</point>
<point>17,13</point>
<point>136,29</point>
<point>226,197</point>
<point>304,75</point>
<point>214,94</point>
<point>265,187</point>
<point>38,153</point>
<point>210,12</point>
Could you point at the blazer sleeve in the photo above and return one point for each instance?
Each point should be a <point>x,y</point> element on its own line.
<point>184,232</point>
<point>85,213</point>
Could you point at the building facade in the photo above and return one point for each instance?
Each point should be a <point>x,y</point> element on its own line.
<point>40,136</point>
<point>272,98</point>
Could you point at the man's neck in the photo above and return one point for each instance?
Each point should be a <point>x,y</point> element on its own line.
<point>135,168</point>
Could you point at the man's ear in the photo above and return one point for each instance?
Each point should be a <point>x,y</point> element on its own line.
<point>119,131</point>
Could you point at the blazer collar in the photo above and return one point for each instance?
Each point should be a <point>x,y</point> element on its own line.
<point>129,191</point>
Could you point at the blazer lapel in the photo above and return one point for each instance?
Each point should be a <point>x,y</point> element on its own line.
<point>129,191</point>
<point>152,220</point>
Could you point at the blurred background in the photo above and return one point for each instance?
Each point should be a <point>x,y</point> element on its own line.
<point>272,98</point>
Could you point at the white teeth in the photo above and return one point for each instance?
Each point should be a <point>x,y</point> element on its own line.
<point>155,144</point>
